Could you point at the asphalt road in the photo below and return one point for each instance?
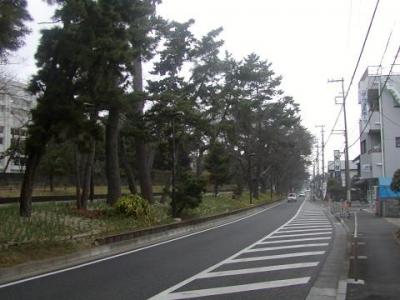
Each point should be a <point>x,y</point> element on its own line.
<point>275,254</point>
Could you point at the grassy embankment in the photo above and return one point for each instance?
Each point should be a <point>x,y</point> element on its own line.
<point>58,228</point>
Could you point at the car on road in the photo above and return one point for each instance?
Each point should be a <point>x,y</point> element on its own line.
<point>292,197</point>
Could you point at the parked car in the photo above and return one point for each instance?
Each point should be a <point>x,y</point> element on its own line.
<point>292,197</point>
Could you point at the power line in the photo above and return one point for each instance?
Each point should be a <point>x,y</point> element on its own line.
<point>334,125</point>
<point>355,70</point>
<point>362,51</point>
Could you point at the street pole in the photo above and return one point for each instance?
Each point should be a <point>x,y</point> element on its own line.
<point>322,154</point>
<point>249,156</point>
<point>346,141</point>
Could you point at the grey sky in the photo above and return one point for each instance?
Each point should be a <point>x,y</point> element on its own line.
<point>307,42</point>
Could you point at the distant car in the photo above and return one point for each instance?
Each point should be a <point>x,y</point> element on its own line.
<point>301,195</point>
<point>292,197</point>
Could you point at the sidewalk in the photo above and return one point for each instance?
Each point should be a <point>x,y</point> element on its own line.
<point>331,282</point>
<point>379,258</point>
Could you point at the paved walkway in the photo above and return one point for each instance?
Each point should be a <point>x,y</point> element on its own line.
<point>379,263</point>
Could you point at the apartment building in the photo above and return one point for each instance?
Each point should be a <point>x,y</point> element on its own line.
<point>15,106</point>
<point>379,131</point>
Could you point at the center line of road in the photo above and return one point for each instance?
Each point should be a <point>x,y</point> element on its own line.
<point>278,256</point>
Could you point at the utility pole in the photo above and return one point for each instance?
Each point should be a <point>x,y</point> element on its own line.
<point>346,141</point>
<point>318,175</point>
<point>322,150</point>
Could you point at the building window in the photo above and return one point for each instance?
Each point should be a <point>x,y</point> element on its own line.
<point>1,129</point>
<point>1,140</point>
<point>397,142</point>
<point>363,147</point>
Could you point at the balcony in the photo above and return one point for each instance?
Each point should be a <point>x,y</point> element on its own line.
<point>374,123</point>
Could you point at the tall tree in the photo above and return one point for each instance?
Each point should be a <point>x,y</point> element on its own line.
<point>13,16</point>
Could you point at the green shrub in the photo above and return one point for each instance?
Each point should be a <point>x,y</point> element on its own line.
<point>135,206</point>
<point>189,193</point>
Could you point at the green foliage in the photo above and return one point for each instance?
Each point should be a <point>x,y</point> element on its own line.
<point>189,193</point>
<point>136,207</point>
<point>218,164</point>
<point>395,184</point>
<point>335,189</point>
<point>12,28</point>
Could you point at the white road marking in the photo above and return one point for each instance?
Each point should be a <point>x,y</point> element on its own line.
<point>235,289</point>
<point>287,247</point>
<point>141,249</point>
<point>300,234</point>
<point>295,240</point>
<point>310,223</point>
<point>166,292</point>
<point>306,226</point>
<point>260,269</point>
<point>302,230</point>
<point>278,256</point>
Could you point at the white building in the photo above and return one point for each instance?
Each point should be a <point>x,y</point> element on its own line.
<point>15,106</point>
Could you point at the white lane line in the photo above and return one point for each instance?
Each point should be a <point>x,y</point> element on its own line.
<point>236,288</point>
<point>141,249</point>
<point>260,269</point>
<point>295,240</point>
<point>283,230</point>
<point>300,234</point>
<point>288,247</point>
<point>278,256</point>
<point>164,294</point>
<point>306,226</point>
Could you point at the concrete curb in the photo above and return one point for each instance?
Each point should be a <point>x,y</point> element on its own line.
<point>114,245</point>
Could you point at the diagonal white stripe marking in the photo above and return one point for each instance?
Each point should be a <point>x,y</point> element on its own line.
<point>287,247</point>
<point>234,289</point>
<point>306,226</point>
<point>302,230</point>
<point>164,294</point>
<point>259,270</point>
<point>300,234</point>
<point>279,256</point>
<point>295,240</point>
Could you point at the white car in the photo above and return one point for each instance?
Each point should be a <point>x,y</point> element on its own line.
<point>292,197</point>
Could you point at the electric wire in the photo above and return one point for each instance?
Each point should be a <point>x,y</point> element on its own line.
<point>355,71</point>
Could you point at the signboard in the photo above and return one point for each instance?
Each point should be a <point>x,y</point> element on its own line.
<point>336,156</point>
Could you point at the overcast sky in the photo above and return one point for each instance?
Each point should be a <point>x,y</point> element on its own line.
<point>307,42</point>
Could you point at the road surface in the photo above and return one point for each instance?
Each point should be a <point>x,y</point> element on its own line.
<point>274,254</point>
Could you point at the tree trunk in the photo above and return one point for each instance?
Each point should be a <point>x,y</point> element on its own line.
<point>77,177</point>
<point>144,173</point>
<point>92,184</point>
<point>216,189</point>
<point>112,160</point>
<point>87,174</point>
<point>199,162</point>
<point>25,200</point>
<point>165,191</point>
<point>263,185</point>
<point>256,183</point>
<point>126,166</point>
<point>51,181</point>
